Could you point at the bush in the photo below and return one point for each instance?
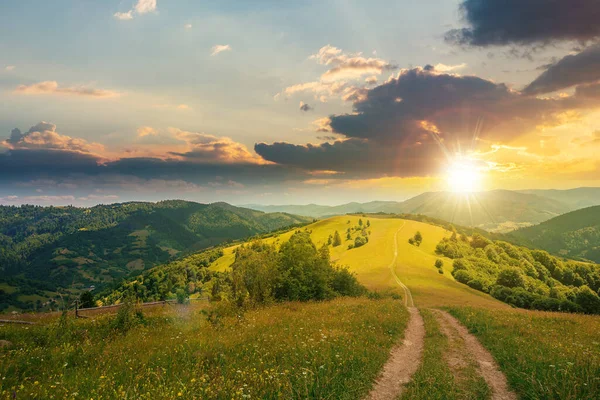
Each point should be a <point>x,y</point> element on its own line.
<point>511,278</point>
<point>439,263</point>
<point>462,276</point>
<point>476,284</point>
<point>360,241</point>
<point>587,300</point>
<point>460,264</point>
<point>127,317</point>
<point>181,296</point>
<point>86,300</point>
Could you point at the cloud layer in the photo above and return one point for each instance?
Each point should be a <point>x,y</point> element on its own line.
<point>526,22</point>
<point>572,70</point>
<point>52,87</point>
<point>411,124</point>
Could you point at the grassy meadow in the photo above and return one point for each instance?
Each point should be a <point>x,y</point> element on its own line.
<point>292,350</point>
<point>544,355</point>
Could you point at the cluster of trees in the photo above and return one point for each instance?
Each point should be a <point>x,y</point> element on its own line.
<point>361,238</point>
<point>298,271</point>
<point>416,240</point>
<point>522,277</point>
<point>190,274</point>
<point>261,273</point>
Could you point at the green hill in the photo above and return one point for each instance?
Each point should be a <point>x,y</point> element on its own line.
<point>541,280</point>
<point>44,249</point>
<point>575,234</point>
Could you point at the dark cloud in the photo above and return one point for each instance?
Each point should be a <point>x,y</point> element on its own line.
<point>581,68</point>
<point>305,107</point>
<point>588,92</point>
<point>401,109</point>
<point>356,158</point>
<point>408,125</point>
<point>526,22</point>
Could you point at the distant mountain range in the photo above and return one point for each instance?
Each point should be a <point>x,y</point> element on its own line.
<point>574,235</point>
<point>497,210</point>
<point>43,249</point>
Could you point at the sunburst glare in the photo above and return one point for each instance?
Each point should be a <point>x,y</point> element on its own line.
<point>463,176</point>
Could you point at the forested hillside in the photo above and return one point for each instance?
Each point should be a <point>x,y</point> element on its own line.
<point>522,277</point>
<point>44,249</point>
<point>261,273</point>
<point>574,235</point>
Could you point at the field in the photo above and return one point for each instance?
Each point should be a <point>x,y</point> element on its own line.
<point>317,350</point>
<point>291,350</point>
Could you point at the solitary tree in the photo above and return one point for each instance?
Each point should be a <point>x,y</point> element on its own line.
<point>418,238</point>
<point>439,263</point>
<point>368,223</point>
<point>86,300</point>
<point>337,240</point>
<point>360,223</point>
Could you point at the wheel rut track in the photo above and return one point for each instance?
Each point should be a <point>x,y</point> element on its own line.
<point>487,366</point>
<point>406,357</point>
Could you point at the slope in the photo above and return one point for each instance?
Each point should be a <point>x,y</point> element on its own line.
<point>44,249</point>
<point>574,235</point>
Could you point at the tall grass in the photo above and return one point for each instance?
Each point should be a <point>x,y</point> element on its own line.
<point>293,350</point>
<point>544,355</point>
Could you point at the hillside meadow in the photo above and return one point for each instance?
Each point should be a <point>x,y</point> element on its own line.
<point>290,350</point>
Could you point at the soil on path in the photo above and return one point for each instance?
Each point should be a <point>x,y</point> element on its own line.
<point>488,368</point>
<point>403,362</point>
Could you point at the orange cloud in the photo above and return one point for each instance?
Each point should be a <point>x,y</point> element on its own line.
<point>52,87</point>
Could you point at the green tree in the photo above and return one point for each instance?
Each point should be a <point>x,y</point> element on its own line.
<point>360,222</point>
<point>511,278</point>
<point>337,240</point>
<point>418,238</point>
<point>86,300</point>
<point>439,263</point>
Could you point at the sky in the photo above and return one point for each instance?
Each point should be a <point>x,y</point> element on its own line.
<point>278,102</point>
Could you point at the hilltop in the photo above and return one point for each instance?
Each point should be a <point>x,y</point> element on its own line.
<point>575,234</point>
<point>45,249</point>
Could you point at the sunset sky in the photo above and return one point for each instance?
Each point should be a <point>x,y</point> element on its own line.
<point>274,102</point>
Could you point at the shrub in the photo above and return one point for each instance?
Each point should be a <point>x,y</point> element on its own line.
<point>439,263</point>
<point>511,278</point>
<point>460,264</point>
<point>86,300</point>
<point>181,296</point>
<point>360,241</point>
<point>587,300</point>
<point>462,276</point>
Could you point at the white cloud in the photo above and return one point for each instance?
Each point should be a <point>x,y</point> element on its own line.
<point>124,16</point>
<point>145,6</point>
<point>188,26</point>
<point>344,78</point>
<point>10,67</point>
<point>219,48</point>
<point>141,7</point>
<point>449,68</point>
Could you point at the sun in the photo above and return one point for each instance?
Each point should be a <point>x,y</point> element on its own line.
<point>463,177</point>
